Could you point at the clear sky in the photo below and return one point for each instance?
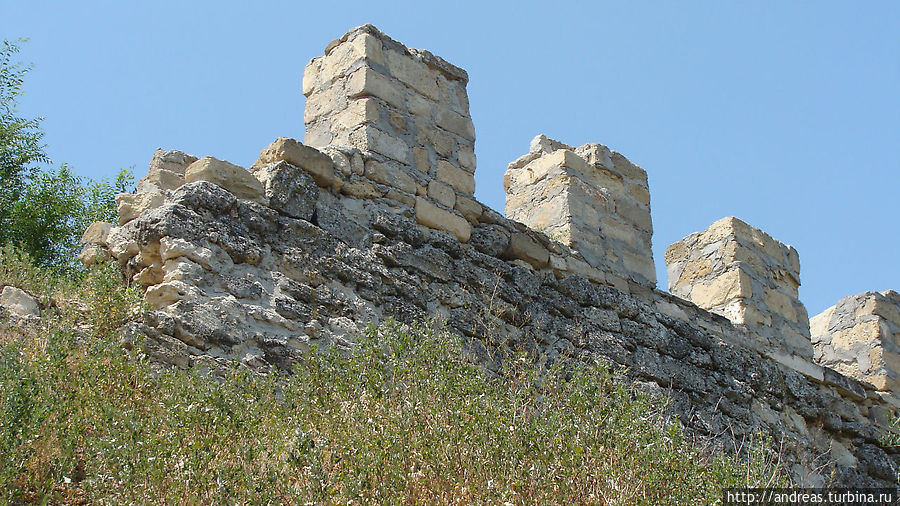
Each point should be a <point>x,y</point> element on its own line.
<point>785,114</point>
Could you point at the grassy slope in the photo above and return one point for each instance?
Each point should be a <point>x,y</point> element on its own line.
<point>402,419</point>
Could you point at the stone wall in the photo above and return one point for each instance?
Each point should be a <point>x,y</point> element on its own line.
<point>310,245</point>
<point>860,337</point>
<point>589,198</point>
<point>742,273</point>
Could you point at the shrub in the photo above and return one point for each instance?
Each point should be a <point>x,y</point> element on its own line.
<point>402,417</point>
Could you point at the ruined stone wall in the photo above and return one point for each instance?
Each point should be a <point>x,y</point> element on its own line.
<point>311,245</point>
<point>860,337</point>
<point>589,198</point>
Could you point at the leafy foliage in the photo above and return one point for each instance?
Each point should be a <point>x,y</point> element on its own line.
<point>402,417</point>
<point>43,210</point>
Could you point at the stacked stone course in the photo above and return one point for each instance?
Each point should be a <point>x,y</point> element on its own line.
<point>860,337</point>
<point>591,199</point>
<point>310,245</point>
<point>408,111</point>
<point>742,273</point>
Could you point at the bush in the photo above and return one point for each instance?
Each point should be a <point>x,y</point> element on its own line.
<point>402,417</point>
<point>43,210</point>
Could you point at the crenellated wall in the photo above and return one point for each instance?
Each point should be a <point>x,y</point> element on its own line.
<point>361,223</point>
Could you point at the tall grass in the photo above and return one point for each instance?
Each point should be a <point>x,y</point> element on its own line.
<point>401,418</point>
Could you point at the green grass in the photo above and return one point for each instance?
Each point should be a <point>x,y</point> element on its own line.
<point>402,418</point>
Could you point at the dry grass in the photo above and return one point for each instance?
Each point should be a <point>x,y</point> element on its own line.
<point>401,419</point>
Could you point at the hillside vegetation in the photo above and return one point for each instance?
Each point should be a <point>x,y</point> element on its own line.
<point>402,417</point>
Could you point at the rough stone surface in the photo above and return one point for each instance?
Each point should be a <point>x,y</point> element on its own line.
<point>579,197</point>
<point>859,337</point>
<point>235,179</point>
<point>18,302</point>
<point>258,281</point>
<point>744,274</point>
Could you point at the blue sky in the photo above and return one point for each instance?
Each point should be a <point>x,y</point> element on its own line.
<point>784,114</point>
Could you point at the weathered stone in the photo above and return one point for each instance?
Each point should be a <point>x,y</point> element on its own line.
<point>226,175</point>
<point>455,177</point>
<point>433,216</point>
<point>525,248</point>
<point>166,171</point>
<point>390,174</point>
<point>131,205</point>
<point>469,208</point>
<point>289,189</point>
<point>97,233</point>
<point>442,193</point>
<point>18,302</point>
<point>292,151</point>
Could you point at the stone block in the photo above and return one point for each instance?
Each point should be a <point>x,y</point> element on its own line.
<point>413,73</point>
<point>463,181</point>
<point>456,123</point>
<point>366,82</point>
<point>442,193</point>
<point>390,174</point>
<point>19,302</point>
<point>130,205</point>
<point>317,164</point>
<point>469,208</point>
<point>523,247</point>
<point>433,216</point>
<point>730,285</point>
<point>227,175</point>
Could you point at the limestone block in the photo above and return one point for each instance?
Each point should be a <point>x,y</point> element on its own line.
<point>731,285</point>
<point>523,247</point>
<point>358,112</point>
<point>442,193</point>
<point>463,181</point>
<point>366,82</point>
<point>130,205</point>
<point>360,188</point>
<point>390,174</point>
<point>166,170</point>
<point>373,139</point>
<point>466,156</point>
<point>413,73</point>
<point>433,216</point>
<point>226,175</point>
<point>469,208</point>
<point>289,189</point>
<point>781,304</point>
<point>317,164</point>
<point>421,161</point>
<point>456,123</point>
<point>18,302</point>
<point>419,105</point>
<point>97,233</point>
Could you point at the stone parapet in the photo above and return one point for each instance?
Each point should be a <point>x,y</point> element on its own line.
<point>589,198</point>
<point>744,274</point>
<point>859,337</point>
